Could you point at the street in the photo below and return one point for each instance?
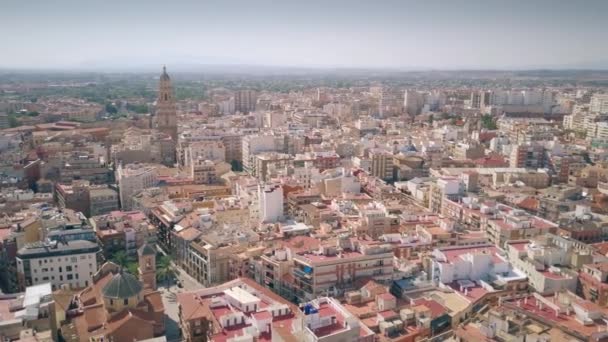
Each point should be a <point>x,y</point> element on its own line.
<point>169,291</point>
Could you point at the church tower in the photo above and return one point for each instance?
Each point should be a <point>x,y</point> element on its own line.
<point>166,112</point>
<point>147,266</point>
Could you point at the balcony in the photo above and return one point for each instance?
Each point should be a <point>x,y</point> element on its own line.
<point>301,274</point>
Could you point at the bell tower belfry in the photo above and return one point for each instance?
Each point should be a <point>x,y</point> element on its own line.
<point>147,266</point>
<point>166,110</point>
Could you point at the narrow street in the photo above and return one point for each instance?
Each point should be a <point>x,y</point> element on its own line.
<point>169,291</point>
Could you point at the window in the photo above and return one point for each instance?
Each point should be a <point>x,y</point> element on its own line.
<point>70,277</point>
<point>60,269</point>
<point>126,301</point>
<point>68,268</point>
<point>73,259</point>
<point>60,278</point>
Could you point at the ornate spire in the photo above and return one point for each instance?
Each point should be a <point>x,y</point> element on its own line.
<point>164,76</point>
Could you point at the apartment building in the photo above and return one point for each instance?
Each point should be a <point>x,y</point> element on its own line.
<point>500,223</point>
<point>254,144</point>
<point>546,262</point>
<point>326,320</point>
<point>445,188</point>
<point>245,100</point>
<point>335,267</point>
<point>208,257</point>
<point>241,307</point>
<point>68,262</point>
<point>88,199</point>
<point>599,103</point>
<point>381,164</point>
<point>132,179</point>
<point>528,156</point>
<point>475,271</point>
<point>84,165</point>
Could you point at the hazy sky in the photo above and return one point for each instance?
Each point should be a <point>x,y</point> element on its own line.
<point>437,34</point>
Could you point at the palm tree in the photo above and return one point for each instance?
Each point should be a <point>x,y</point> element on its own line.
<point>120,258</point>
<point>164,269</point>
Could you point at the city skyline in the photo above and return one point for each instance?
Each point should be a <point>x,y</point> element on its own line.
<point>403,35</point>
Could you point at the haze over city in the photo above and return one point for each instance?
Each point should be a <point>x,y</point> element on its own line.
<point>303,171</point>
<point>141,35</point>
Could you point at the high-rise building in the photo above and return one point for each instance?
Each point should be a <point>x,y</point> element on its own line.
<point>599,103</point>
<point>480,99</point>
<point>382,164</point>
<point>271,202</point>
<point>166,111</point>
<point>245,100</point>
<point>4,122</point>
<point>476,99</point>
<point>413,102</point>
<point>528,156</point>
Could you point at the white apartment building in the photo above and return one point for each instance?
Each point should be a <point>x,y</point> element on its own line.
<point>541,263</point>
<point>72,263</point>
<point>132,179</point>
<point>337,182</point>
<point>271,202</point>
<point>599,103</point>
<point>482,262</point>
<point>326,320</point>
<point>254,144</point>
<point>206,149</point>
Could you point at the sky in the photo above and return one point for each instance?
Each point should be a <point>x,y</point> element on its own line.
<point>401,34</point>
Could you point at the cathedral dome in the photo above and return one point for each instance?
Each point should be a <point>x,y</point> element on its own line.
<point>123,285</point>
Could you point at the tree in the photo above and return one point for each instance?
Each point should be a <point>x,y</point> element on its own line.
<point>236,165</point>
<point>120,258</point>
<point>164,269</point>
<point>111,109</point>
<point>12,121</point>
<point>487,122</point>
<point>137,108</point>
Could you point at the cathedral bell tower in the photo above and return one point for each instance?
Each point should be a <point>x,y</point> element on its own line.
<point>166,111</point>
